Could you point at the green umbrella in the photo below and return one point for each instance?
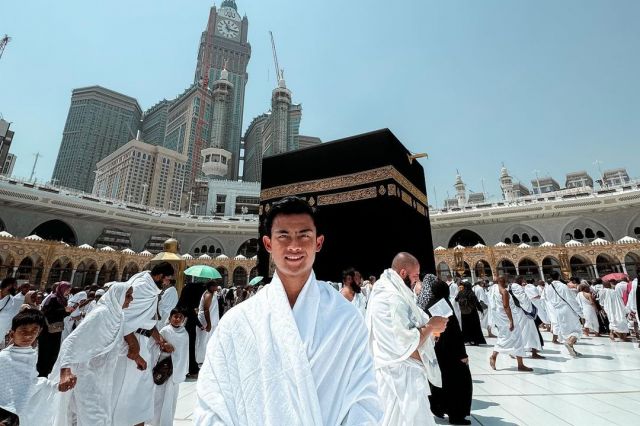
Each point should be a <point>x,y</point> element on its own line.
<point>203,271</point>
<point>255,280</point>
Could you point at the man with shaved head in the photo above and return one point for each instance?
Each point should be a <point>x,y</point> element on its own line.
<point>401,341</point>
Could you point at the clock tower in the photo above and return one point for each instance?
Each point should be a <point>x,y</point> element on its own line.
<point>224,45</point>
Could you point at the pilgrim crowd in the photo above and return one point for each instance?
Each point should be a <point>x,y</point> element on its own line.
<point>387,350</point>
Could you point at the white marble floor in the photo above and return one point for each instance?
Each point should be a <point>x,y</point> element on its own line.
<point>601,387</point>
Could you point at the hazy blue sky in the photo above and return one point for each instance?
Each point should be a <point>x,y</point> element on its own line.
<point>551,85</point>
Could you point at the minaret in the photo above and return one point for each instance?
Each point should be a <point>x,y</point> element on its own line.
<point>222,94</point>
<point>280,104</point>
<point>217,158</point>
<point>461,190</point>
<point>506,184</point>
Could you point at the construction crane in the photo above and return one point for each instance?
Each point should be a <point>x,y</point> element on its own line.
<point>275,59</point>
<point>3,43</point>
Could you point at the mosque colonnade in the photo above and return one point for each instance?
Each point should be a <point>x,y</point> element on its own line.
<point>44,262</point>
<point>588,261</point>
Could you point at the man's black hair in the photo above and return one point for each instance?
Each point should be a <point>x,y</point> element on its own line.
<point>352,273</point>
<point>288,206</point>
<point>28,317</point>
<point>555,275</point>
<point>348,272</point>
<point>163,268</point>
<point>212,283</point>
<point>7,282</point>
<point>178,310</point>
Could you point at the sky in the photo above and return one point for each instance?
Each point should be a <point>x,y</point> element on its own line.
<point>542,85</point>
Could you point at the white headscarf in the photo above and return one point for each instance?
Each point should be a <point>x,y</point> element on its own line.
<point>98,333</point>
<point>142,311</point>
<point>77,298</point>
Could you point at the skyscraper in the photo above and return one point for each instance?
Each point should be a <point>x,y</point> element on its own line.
<point>6,137</point>
<point>281,132</point>
<point>99,122</point>
<point>272,133</point>
<point>154,123</point>
<point>142,173</point>
<point>224,44</point>
<point>252,167</point>
<point>188,128</point>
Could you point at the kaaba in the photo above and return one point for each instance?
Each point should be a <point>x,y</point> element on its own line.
<point>371,198</point>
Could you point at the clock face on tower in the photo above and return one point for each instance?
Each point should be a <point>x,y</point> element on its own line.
<point>228,28</point>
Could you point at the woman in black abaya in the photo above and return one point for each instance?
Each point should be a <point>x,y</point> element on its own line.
<point>454,398</point>
<point>469,308</point>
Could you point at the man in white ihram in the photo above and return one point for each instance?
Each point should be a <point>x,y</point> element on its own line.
<point>400,338</point>
<point>296,352</point>
<point>567,311</point>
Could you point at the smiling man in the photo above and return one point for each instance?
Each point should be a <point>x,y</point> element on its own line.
<point>296,352</point>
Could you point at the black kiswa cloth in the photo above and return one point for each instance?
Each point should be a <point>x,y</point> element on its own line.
<point>371,197</point>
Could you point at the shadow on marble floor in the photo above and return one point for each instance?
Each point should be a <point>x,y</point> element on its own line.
<point>478,404</point>
<point>492,421</point>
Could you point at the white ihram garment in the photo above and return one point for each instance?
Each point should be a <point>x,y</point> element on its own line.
<point>632,303</point>
<point>453,292</point>
<point>612,303</point>
<point>492,306</point>
<point>134,388</point>
<point>91,352</point>
<point>269,364</point>
<point>360,302</point>
<point>589,313</point>
<point>533,293</point>
<point>23,393</point>
<point>72,320</point>
<point>510,342</point>
<point>166,395</point>
<point>394,320</point>
<point>482,296</point>
<point>168,301</point>
<point>526,324</point>
<point>8,309</point>
<point>566,310</point>
<point>202,337</point>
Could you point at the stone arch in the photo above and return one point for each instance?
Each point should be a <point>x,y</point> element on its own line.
<point>528,268</point>
<point>522,233</point>
<point>632,264</point>
<point>581,267</point>
<point>56,230</point>
<point>606,264</point>
<point>30,269</point>
<point>85,272</point>
<point>249,248</point>
<point>483,269</point>
<point>549,265</point>
<point>205,243</point>
<point>7,263</point>
<point>61,270</point>
<point>577,230</point>
<point>239,276</point>
<point>129,270</point>
<point>633,229</point>
<point>225,275</point>
<point>464,274</point>
<point>3,227</point>
<point>443,271</point>
<point>108,272</point>
<point>505,267</point>
<point>466,238</point>
<point>253,272</point>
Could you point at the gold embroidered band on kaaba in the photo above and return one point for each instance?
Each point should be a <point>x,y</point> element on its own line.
<point>348,181</point>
